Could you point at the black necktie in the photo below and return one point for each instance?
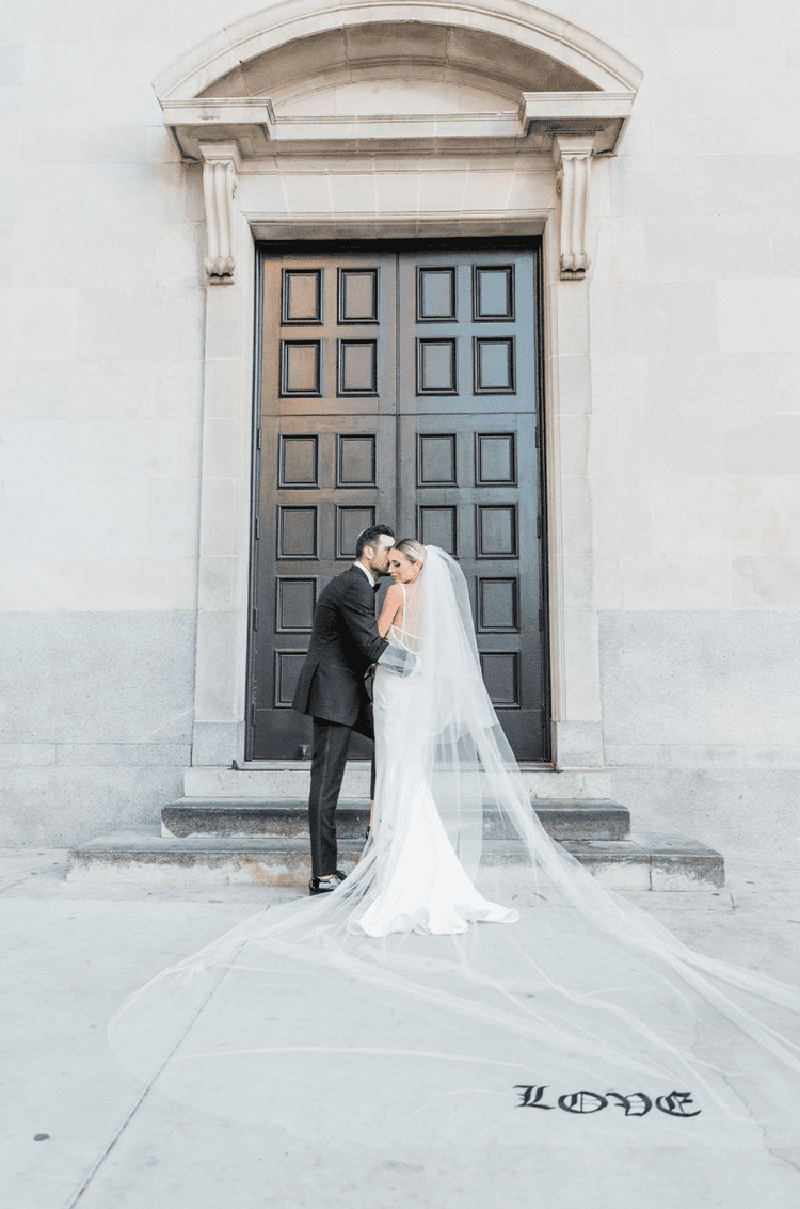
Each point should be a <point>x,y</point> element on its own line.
<point>376,587</point>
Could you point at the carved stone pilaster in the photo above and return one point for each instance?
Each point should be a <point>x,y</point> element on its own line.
<point>221,164</point>
<point>573,157</point>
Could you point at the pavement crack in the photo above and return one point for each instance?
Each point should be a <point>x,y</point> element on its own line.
<point>770,1149</point>
<point>96,1166</point>
<point>781,1158</point>
<point>13,885</point>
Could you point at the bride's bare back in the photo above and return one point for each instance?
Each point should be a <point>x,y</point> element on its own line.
<point>406,560</point>
<point>399,610</point>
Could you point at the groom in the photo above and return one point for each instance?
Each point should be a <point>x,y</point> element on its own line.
<point>345,643</point>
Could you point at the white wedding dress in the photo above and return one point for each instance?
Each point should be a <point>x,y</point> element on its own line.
<point>421,884</point>
<point>581,990</point>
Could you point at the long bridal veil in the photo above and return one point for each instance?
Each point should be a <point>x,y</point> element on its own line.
<point>585,1006</point>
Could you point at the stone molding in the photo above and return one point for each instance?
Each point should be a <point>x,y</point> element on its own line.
<point>251,123</point>
<point>531,28</point>
<point>223,130</point>
<point>573,158</point>
<point>604,115</point>
<point>221,164</point>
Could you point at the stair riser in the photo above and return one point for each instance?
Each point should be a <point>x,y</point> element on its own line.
<point>293,783</point>
<point>201,869</point>
<point>294,870</point>
<point>242,822</point>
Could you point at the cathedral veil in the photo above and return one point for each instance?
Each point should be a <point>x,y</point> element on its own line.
<point>584,995</point>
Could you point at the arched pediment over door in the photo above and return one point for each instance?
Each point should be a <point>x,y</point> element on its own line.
<point>300,78</point>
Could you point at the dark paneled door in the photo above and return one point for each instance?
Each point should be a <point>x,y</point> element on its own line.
<point>399,387</point>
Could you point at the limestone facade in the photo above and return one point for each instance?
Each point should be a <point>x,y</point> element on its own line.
<point>654,146</point>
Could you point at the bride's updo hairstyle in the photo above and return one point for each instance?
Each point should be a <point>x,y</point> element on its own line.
<point>411,549</point>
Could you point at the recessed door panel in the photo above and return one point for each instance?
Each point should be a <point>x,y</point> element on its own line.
<point>357,466</point>
<point>295,601</point>
<point>298,458</point>
<point>358,295</point>
<point>302,296</point>
<point>437,460</point>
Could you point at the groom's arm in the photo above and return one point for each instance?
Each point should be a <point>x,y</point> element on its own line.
<point>398,660</point>
<point>358,611</point>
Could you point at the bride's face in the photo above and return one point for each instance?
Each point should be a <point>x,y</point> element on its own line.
<point>401,569</point>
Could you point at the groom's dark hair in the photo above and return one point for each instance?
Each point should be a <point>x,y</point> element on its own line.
<point>370,536</point>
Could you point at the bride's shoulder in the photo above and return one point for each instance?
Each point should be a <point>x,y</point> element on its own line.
<point>394,593</point>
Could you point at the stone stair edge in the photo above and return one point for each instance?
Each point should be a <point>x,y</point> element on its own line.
<point>222,803</point>
<point>148,837</point>
<point>667,863</point>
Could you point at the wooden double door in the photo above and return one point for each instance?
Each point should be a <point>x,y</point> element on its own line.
<point>398,387</point>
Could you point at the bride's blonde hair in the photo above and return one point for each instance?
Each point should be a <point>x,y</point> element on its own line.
<point>412,550</point>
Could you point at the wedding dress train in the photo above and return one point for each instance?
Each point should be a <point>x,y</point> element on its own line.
<point>582,992</point>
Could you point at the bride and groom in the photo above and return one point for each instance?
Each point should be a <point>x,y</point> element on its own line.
<point>410,863</point>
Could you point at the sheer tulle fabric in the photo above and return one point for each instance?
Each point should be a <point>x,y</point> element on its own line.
<point>427,807</point>
<point>577,990</point>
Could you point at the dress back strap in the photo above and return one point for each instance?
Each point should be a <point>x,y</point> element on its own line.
<point>401,630</point>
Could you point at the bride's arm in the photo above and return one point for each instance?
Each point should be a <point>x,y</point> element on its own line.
<point>392,603</point>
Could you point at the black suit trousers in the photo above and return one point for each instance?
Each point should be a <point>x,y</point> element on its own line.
<point>328,762</point>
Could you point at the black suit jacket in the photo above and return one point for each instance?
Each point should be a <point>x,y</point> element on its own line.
<point>344,642</point>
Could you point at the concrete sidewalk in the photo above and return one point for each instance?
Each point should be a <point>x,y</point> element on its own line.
<point>76,1131</point>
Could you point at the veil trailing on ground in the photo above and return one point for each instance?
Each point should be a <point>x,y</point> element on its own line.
<point>584,1006</point>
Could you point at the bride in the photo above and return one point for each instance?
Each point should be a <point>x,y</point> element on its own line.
<point>419,881</point>
<point>582,1000</point>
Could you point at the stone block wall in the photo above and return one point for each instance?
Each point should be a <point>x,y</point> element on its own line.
<point>101,345</point>
<point>694,445</point>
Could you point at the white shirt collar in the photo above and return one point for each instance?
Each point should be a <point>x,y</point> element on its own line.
<point>368,573</point>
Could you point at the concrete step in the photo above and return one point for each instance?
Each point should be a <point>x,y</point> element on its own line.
<point>277,780</point>
<point>240,818</point>
<point>647,861</point>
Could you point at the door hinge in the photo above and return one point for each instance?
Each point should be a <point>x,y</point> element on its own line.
<point>255,619</point>
<point>258,528</point>
<point>539,525</point>
<point>258,439</point>
<point>541,619</point>
<point>536,435</point>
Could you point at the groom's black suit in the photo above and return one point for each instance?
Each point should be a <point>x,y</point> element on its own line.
<point>344,643</point>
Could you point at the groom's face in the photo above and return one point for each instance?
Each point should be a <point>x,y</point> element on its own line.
<point>378,556</point>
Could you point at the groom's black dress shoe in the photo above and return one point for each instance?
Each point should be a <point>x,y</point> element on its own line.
<point>319,885</point>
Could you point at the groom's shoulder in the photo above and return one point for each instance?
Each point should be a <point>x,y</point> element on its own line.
<point>346,582</point>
